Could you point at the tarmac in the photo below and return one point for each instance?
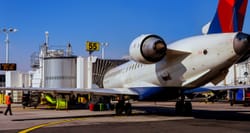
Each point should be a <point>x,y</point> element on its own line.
<point>146,117</point>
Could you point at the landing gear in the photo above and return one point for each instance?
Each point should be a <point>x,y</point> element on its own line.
<point>121,107</point>
<point>183,107</point>
<point>128,109</point>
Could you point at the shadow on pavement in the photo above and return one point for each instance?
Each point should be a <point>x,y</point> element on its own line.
<point>242,115</point>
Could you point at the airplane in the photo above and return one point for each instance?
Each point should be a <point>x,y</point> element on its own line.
<point>166,71</point>
<point>162,71</point>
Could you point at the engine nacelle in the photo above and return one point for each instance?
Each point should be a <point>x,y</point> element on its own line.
<point>148,49</point>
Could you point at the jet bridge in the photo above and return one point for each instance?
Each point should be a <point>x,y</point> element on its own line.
<point>101,66</point>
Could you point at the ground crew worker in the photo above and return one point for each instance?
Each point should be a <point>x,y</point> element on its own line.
<point>8,101</point>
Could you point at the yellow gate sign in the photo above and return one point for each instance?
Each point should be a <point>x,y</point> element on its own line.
<point>8,66</point>
<point>92,46</point>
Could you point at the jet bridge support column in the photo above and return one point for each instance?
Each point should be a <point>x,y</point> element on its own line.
<point>84,72</point>
<point>89,72</point>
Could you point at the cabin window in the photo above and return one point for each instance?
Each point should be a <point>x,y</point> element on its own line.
<point>205,52</point>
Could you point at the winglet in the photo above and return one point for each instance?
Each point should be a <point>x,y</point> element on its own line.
<point>229,16</point>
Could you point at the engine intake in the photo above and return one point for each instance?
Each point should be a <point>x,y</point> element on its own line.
<point>242,46</point>
<point>148,49</point>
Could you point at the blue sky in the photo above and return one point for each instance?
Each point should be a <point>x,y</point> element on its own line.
<point>117,22</point>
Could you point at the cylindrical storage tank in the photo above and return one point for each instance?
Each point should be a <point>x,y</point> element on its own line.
<point>60,72</point>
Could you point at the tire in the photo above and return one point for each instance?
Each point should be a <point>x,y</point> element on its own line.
<point>128,109</point>
<point>119,109</point>
<point>179,108</point>
<point>188,108</point>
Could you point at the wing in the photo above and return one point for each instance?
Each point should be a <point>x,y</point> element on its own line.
<point>99,91</point>
<point>214,88</point>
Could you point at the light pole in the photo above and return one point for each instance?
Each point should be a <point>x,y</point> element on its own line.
<point>47,38</point>
<point>103,48</point>
<point>7,31</point>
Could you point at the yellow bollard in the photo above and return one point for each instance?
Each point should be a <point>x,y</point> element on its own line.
<point>1,98</point>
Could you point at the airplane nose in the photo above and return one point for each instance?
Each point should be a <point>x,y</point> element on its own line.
<point>241,43</point>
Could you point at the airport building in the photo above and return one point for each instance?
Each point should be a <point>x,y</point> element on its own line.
<point>238,74</point>
<point>59,68</point>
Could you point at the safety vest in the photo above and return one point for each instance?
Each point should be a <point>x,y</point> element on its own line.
<point>7,100</point>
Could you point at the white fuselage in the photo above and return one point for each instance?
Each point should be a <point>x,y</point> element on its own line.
<point>190,62</point>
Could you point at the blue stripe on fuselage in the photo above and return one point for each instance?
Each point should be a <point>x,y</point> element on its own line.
<point>157,93</point>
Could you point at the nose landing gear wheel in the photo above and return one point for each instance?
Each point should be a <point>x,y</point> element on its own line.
<point>121,106</point>
<point>183,108</point>
<point>128,109</point>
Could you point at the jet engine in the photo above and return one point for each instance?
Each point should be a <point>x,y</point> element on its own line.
<point>242,46</point>
<point>148,49</point>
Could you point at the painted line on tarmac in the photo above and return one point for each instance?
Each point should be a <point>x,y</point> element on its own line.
<point>48,124</point>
